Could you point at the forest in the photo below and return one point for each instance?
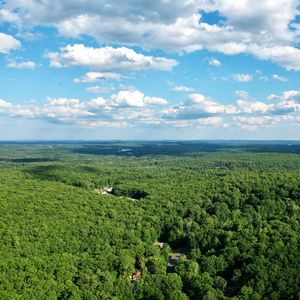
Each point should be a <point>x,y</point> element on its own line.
<point>150,220</point>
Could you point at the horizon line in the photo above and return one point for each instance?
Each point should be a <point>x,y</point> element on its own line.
<point>147,140</point>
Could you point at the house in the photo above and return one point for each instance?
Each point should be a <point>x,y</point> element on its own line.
<point>107,190</point>
<point>136,276</point>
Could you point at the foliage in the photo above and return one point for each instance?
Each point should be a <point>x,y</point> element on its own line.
<point>232,210</point>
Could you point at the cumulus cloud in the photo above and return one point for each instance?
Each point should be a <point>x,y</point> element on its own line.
<point>209,105</point>
<point>243,95</point>
<point>286,56</point>
<point>266,18</point>
<point>54,11</point>
<point>249,105</point>
<point>197,106</point>
<point>272,97</point>
<point>253,106</point>
<point>8,43</point>
<point>286,107</point>
<point>194,123</point>
<point>16,110</point>
<point>291,95</point>
<point>95,103</point>
<point>63,109</point>
<point>63,101</point>
<point>287,97</point>
<point>125,105</point>
<point>22,65</point>
<point>91,77</point>
<point>210,121</point>
<point>267,29</point>
<point>133,108</point>
<point>100,89</point>
<point>4,105</point>
<point>242,77</point>
<point>287,103</point>
<point>215,62</point>
<point>181,88</point>
<point>96,124</point>
<point>135,98</point>
<point>107,59</point>
<point>279,78</point>
<point>255,123</point>
<point>8,16</point>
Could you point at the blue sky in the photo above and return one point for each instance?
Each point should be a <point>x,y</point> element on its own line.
<point>161,69</point>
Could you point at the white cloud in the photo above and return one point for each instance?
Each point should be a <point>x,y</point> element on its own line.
<point>286,107</point>
<point>279,78</point>
<point>198,106</point>
<point>133,108</point>
<point>24,112</point>
<point>243,94</point>
<point>249,105</point>
<point>230,47</point>
<point>263,29</point>
<point>287,103</point>
<point>55,11</point>
<point>286,56</point>
<point>268,19</point>
<point>215,62</point>
<point>7,16</point>
<point>62,113</point>
<point>254,123</point>
<point>182,88</point>
<point>63,109</point>
<point>253,106</point>
<point>107,59</point>
<point>194,123</point>
<point>99,112</point>
<point>272,97</point>
<point>100,89</point>
<point>242,77</point>
<point>4,105</point>
<point>96,124</point>
<point>209,105</point>
<point>8,43</point>
<point>16,110</point>
<point>210,121</point>
<point>95,103</point>
<point>135,98</point>
<point>22,65</point>
<point>291,95</point>
<point>91,77</point>
<point>124,105</point>
<point>63,101</point>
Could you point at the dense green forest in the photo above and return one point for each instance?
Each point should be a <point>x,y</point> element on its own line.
<point>151,220</point>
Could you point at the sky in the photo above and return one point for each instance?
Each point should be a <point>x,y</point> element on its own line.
<point>149,69</point>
